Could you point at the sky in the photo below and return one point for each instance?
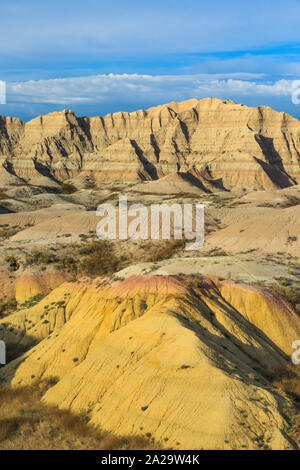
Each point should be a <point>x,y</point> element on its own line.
<point>97,57</point>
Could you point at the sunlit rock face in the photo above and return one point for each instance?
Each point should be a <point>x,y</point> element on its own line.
<point>223,144</point>
<point>183,360</point>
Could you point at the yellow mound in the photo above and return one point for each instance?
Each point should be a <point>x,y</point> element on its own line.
<point>182,361</point>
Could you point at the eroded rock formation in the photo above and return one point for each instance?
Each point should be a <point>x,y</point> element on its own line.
<point>183,361</point>
<point>220,143</point>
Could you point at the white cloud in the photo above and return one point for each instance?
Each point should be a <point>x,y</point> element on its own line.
<point>145,88</point>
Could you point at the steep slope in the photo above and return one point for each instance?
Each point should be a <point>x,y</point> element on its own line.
<point>230,144</point>
<point>182,361</point>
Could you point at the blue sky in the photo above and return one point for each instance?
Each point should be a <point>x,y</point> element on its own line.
<point>101,56</point>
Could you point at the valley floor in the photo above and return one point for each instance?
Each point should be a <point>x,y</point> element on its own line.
<point>140,344</point>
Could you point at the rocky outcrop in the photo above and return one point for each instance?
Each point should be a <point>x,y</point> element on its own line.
<point>181,361</point>
<point>31,283</point>
<point>221,143</point>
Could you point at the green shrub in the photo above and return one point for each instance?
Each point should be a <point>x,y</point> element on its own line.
<point>8,307</point>
<point>67,188</point>
<point>32,301</point>
<point>291,293</point>
<point>7,233</point>
<point>100,258</point>
<point>143,305</point>
<point>40,257</point>
<point>10,259</point>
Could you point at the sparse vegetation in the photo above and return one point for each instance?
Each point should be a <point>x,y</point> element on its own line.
<point>90,185</point>
<point>40,257</point>
<point>7,307</point>
<point>67,188</point>
<point>99,258</point>
<point>164,250</point>
<point>290,292</point>
<point>143,305</point>
<point>32,301</point>
<point>286,379</point>
<point>6,233</point>
<point>26,423</point>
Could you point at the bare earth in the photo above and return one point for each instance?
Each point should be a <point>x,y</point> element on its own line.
<point>156,346</point>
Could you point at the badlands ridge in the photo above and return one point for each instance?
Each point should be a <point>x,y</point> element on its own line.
<point>190,350</point>
<point>182,361</point>
<point>220,143</point>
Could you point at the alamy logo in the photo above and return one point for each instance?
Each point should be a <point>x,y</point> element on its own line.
<point>155,222</point>
<point>2,353</point>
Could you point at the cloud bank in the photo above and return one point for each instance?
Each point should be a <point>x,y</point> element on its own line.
<point>105,93</point>
<point>145,88</point>
<point>98,57</point>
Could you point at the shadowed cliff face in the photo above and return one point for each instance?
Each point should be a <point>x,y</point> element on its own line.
<point>184,360</point>
<point>235,145</point>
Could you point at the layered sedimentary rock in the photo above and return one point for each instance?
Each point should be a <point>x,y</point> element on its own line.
<point>273,232</point>
<point>31,283</point>
<point>180,361</point>
<point>220,143</point>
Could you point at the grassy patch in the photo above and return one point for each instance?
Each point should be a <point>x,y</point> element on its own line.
<point>286,379</point>
<point>68,188</point>
<point>8,307</point>
<point>26,423</point>
<point>6,233</point>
